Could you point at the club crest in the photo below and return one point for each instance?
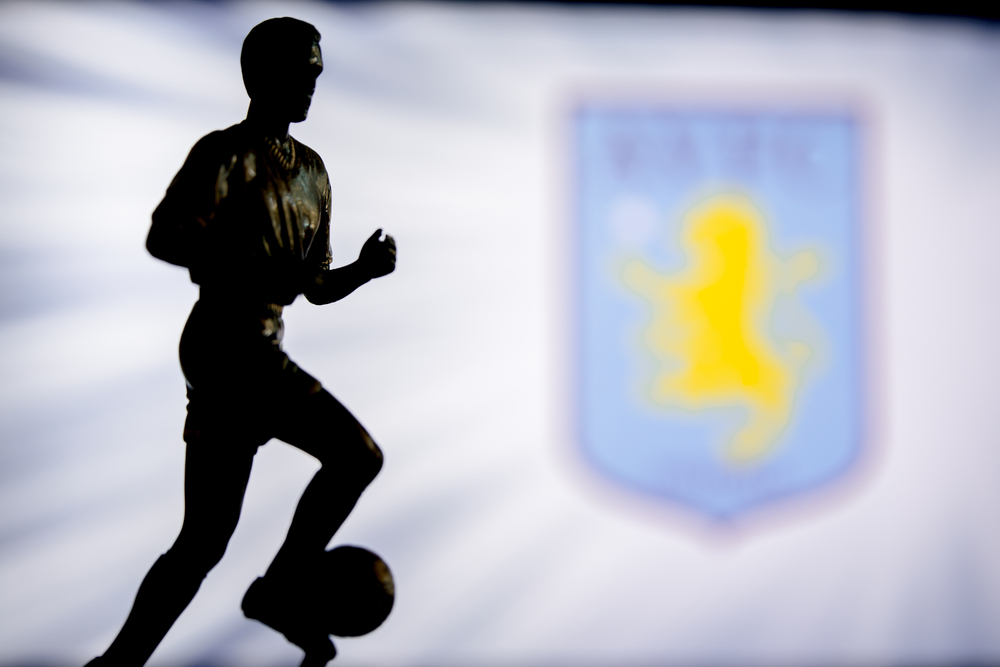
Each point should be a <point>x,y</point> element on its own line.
<point>718,279</point>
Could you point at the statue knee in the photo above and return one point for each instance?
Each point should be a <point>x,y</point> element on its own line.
<point>356,462</point>
<point>373,459</point>
<point>210,557</point>
<point>194,560</point>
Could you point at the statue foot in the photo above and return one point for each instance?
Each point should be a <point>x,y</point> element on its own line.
<point>277,608</point>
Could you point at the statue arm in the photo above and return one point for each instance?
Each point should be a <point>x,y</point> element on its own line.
<point>329,285</point>
<point>181,221</point>
<point>377,259</point>
<point>173,235</point>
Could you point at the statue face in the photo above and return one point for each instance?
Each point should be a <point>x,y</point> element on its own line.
<point>288,88</point>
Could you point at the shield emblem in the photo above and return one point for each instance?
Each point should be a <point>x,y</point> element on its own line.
<point>720,321</point>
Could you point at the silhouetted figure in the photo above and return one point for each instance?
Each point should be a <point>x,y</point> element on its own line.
<point>248,214</point>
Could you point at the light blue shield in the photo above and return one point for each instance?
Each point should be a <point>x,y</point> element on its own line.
<point>719,301</point>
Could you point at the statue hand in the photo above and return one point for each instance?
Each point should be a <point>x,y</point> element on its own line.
<point>378,257</point>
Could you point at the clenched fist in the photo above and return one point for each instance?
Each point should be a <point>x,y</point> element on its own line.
<point>378,257</point>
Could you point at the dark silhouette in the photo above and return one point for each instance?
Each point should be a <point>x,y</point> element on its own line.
<point>248,214</point>
<point>358,583</point>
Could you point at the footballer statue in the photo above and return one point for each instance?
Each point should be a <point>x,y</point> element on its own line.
<point>248,215</point>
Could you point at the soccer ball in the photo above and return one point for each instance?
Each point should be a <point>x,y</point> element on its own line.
<point>357,588</point>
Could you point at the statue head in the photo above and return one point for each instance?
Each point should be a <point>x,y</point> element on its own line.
<point>281,60</point>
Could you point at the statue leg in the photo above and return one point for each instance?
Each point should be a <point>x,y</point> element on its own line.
<point>215,478</point>
<point>322,427</point>
<point>319,425</point>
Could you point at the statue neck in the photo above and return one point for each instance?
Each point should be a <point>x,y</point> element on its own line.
<point>267,123</point>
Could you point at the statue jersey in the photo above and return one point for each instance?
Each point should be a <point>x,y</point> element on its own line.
<point>244,210</point>
<point>250,223</point>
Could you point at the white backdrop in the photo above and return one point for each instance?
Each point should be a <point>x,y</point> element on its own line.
<point>446,125</point>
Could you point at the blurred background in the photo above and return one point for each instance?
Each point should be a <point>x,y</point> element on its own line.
<point>451,127</point>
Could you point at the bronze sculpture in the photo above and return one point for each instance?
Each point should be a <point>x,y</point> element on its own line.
<point>248,214</point>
